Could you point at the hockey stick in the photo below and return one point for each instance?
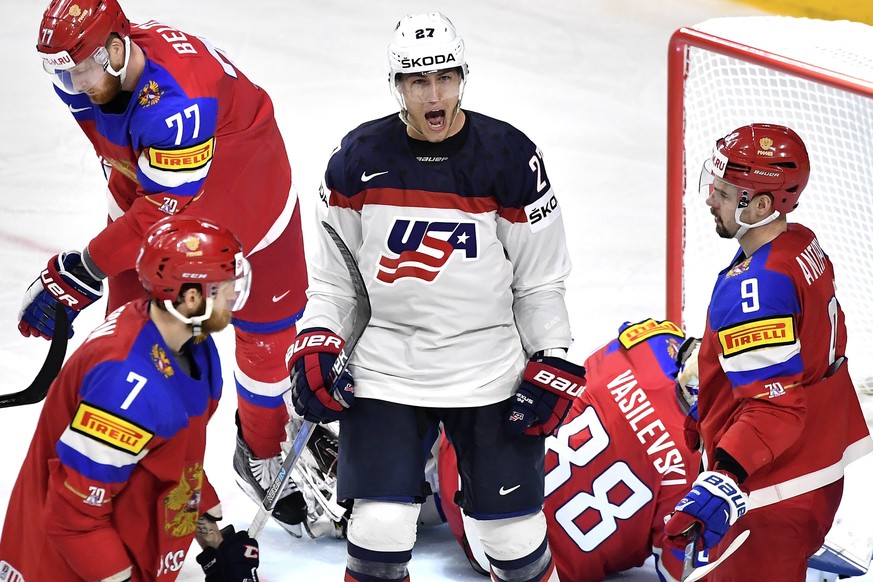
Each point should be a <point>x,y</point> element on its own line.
<point>361,319</point>
<point>698,573</point>
<point>50,368</point>
<point>690,552</point>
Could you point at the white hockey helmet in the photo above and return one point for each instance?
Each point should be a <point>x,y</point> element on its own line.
<point>424,43</point>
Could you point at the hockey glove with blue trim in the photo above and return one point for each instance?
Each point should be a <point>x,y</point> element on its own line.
<point>715,503</point>
<point>65,281</point>
<point>547,391</point>
<point>309,362</point>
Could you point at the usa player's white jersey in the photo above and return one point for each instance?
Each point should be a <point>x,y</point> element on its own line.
<point>463,254</point>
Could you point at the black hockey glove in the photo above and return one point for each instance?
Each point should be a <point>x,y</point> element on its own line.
<point>309,362</point>
<point>236,559</point>
<point>547,391</point>
<point>65,280</point>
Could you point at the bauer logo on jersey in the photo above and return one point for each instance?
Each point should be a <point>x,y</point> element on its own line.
<point>419,249</point>
<point>543,211</point>
<point>640,332</point>
<point>112,430</point>
<point>752,335</point>
<point>183,159</point>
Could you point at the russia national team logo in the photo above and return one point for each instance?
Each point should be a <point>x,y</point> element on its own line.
<point>419,249</point>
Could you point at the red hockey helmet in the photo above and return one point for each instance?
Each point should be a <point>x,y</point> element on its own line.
<point>182,249</point>
<point>73,33</point>
<point>762,159</point>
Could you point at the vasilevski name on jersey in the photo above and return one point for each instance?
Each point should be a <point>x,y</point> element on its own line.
<point>618,464</point>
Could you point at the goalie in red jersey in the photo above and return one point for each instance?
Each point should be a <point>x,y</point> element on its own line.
<point>618,464</point>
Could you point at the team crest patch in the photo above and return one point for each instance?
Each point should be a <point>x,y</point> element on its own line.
<point>183,159</point>
<point>150,94</point>
<point>673,347</point>
<point>752,335</point>
<point>162,362</point>
<point>182,503</point>
<point>110,429</point>
<point>739,269</point>
<point>640,332</point>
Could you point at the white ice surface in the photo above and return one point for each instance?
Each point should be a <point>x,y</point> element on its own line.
<point>586,80</point>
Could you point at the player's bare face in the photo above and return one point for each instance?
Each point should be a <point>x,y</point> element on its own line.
<point>432,104</point>
<point>105,90</point>
<point>722,202</point>
<point>221,308</point>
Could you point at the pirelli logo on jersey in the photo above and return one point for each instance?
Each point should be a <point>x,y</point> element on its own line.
<point>644,330</point>
<point>752,335</point>
<point>108,428</point>
<point>183,159</point>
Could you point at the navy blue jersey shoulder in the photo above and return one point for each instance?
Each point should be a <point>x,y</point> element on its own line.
<point>496,160</point>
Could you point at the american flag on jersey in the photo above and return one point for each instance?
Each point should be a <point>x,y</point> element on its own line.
<point>422,248</point>
<point>8,573</point>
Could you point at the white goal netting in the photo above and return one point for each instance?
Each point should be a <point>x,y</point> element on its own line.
<point>816,77</point>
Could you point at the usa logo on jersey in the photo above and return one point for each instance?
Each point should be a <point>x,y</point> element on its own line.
<point>419,249</point>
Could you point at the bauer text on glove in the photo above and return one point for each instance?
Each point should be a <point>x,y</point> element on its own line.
<point>715,503</point>
<point>66,281</point>
<point>547,391</point>
<point>310,360</point>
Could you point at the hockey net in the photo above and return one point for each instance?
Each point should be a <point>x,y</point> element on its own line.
<point>814,76</point>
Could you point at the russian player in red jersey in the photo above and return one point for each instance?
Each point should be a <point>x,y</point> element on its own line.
<point>619,462</point>
<point>180,129</point>
<point>778,413</point>
<point>116,463</point>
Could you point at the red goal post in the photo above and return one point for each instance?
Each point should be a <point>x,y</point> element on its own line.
<point>814,76</point>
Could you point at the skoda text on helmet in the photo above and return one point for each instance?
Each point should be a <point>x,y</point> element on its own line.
<point>422,44</point>
<point>72,42</point>
<point>760,159</point>
<point>181,250</point>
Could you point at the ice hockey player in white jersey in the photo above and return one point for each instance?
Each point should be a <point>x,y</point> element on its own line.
<point>459,236</point>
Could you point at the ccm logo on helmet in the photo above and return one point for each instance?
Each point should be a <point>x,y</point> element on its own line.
<point>428,61</point>
<point>559,384</point>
